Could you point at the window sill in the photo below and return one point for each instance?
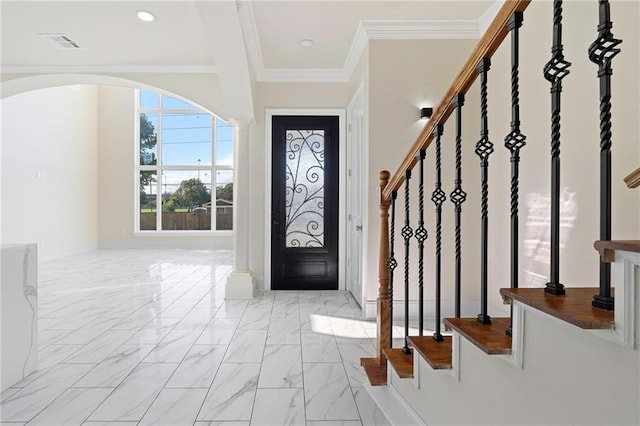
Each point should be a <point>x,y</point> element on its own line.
<point>164,234</point>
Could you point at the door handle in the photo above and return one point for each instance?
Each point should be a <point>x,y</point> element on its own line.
<point>358,227</point>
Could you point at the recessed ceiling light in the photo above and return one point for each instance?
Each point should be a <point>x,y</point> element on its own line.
<point>145,16</point>
<point>306,43</point>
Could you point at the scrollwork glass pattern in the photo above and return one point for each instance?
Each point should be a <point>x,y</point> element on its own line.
<point>304,192</point>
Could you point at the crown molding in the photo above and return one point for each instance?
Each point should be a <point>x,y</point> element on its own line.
<point>109,69</point>
<point>251,38</point>
<point>358,46</point>
<point>405,30</point>
<point>303,75</point>
<point>421,29</point>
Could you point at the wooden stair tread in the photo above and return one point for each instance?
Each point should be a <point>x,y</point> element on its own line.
<point>376,372</point>
<point>401,363</point>
<point>437,354</point>
<point>491,339</point>
<point>574,307</point>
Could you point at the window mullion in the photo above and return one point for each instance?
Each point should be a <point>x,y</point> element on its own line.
<point>136,156</point>
<point>214,147</point>
<point>160,168</point>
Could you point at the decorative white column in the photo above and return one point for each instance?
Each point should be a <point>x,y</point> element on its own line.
<point>240,283</point>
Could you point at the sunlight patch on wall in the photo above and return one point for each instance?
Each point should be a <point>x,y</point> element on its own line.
<point>537,234</point>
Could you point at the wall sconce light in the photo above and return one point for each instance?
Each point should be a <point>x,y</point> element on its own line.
<point>426,112</point>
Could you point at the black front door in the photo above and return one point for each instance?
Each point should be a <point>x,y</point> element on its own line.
<point>304,203</point>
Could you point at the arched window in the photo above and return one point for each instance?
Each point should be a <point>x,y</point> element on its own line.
<point>184,167</point>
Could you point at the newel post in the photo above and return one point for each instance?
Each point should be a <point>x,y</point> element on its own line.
<point>383,273</point>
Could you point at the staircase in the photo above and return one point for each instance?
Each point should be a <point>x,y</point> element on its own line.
<point>564,354</point>
<point>551,372</point>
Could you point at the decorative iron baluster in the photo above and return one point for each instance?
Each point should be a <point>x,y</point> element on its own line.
<point>421,236</point>
<point>457,197</point>
<point>514,141</point>
<point>601,53</point>
<point>484,148</point>
<point>438,197</point>
<point>392,263</point>
<point>554,71</point>
<point>407,233</point>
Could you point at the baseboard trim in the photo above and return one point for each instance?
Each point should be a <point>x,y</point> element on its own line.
<point>393,406</point>
<point>240,285</point>
<point>171,242</point>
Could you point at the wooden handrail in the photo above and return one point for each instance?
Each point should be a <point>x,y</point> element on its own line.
<point>633,180</point>
<point>486,47</point>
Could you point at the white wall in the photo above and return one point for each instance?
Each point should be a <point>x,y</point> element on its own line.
<point>50,169</point>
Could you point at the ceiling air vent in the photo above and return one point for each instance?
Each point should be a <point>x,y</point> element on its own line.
<point>60,41</point>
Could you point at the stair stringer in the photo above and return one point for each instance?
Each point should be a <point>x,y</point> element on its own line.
<point>626,274</point>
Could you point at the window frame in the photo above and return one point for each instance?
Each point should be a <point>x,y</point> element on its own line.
<point>159,167</point>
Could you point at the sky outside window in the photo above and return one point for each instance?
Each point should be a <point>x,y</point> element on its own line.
<point>187,137</point>
<point>148,100</point>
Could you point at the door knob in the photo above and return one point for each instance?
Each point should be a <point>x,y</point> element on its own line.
<point>358,227</point>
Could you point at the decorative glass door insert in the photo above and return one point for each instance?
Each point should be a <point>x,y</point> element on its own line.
<point>304,196</point>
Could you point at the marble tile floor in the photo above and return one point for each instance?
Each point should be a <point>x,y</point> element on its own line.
<point>145,337</point>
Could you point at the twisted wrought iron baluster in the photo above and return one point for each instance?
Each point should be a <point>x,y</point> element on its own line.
<point>484,148</point>
<point>407,233</point>
<point>457,197</point>
<point>421,235</point>
<point>515,141</point>
<point>554,71</point>
<point>392,263</point>
<point>438,197</point>
<point>601,52</point>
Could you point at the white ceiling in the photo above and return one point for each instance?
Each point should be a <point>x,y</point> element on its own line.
<point>333,25</point>
<point>112,39</point>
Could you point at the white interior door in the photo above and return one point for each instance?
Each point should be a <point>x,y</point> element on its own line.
<point>354,204</point>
